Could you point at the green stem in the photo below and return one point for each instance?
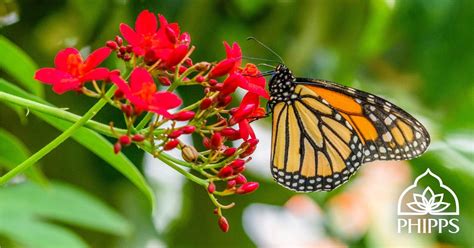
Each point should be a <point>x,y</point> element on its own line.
<point>145,120</point>
<point>59,113</point>
<point>190,176</point>
<point>57,141</point>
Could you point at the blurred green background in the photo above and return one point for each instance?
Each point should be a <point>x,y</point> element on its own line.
<point>419,54</point>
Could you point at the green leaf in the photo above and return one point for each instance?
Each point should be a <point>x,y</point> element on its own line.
<point>29,206</point>
<point>20,66</point>
<point>13,152</point>
<point>92,141</point>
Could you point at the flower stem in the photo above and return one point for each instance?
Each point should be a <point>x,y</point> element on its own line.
<point>59,113</point>
<point>190,176</point>
<point>57,141</point>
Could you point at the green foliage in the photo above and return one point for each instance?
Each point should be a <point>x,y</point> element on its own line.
<point>29,212</point>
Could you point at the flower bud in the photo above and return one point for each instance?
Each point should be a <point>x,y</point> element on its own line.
<point>247,188</point>
<point>202,66</point>
<point>188,62</point>
<point>188,129</point>
<point>231,184</point>
<point>119,40</point>
<point>215,211</point>
<point>223,224</point>
<point>229,151</point>
<point>175,134</point>
<point>211,188</point>
<point>225,171</point>
<point>127,57</point>
<point>212,82</point>
<point>225,101</point>
<point>240,179</point>
<point>129,48</point>
<point>189,154</point>
<point>200,79</point>
<point>170,145</point>
<point>205,103</point>
<point>125,140</point>
<point>229,132</point>
<point>117,147</point>
<point>237,163</point>
<point>122,49</point>
<point>138,138</point>
<point>150,57</point>
<point>164,81</point>
<point>253,142</point>
<point>206,142</point>
<point>126,109</point>
<point>249,151</point>
<point>242,113</point>
<point>118,94</point>
<point>112,45</point>
<point>183,115</point>
<point>216,141</point>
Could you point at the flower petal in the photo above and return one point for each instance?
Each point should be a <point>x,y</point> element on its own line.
<point>146,23</point>
<point>130,36</point>
<point>96,57</point>
<point>67,85</point>
<point>96,74</point>
<point>165,100</point>
<point>121,84</point>
<point>254,88</point>
<point>51,75</point>
<point>60,61</point>
<point>138,78</point>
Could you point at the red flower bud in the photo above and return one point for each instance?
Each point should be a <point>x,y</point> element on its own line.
<point>216,141</point>
<point>249,151</point>
<point>122,49</point>
<point>175,134</point>
<point>223,224</point>
<point>112,45</point>
<point>117,147</point>
<point>200,79</point>
<point>119,94</point>
<point>125,140</point>
<point>129,48</point>
<point>211,188</point>
<point>216,211</point>
<point>222,68</point>
<point>188,129</point>
<point>164,81</point>
<point>150,57</point>
<point>119,40</point>
<point>170,145</point>
<point>183,116</point>
<point>240,179</point>
<point>237,163</point>
<point>225,171</point>
<point>242,113</point>
<point>127,109</point>
<point>225,101</point>
<point>229,132</point>
<point>231,184</point>
<point>127,57</point>
<point>188,62</point>
<point>206,142</point>
<point>247,188</point>
<point>138,138</point>
<point>253,142</point>
<point>205,103</point>
<point>212,82</point>
<point>182,69</point>
<point>229,151</point>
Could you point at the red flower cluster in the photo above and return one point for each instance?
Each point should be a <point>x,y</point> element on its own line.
<point>165,43</point>
<point>158,54</point>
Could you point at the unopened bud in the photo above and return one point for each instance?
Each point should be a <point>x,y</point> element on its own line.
<point>125,140</point>
<point>231,184</point>
<point>205,103</point>
<point>138,138</point>
<point>189,153</point>
<point>225,171</point>
<point>126,109</point>
<point>164,81</point>
<point>216,141</point>
<point>183,115</point>
<point>200,79</point>
<point>112,45</point>
<point>119,40</point>
<point>202,66</point>
<point>188,129</point>
<point>240,179</point>
<point>175,134</point>
<point>211,188</point>
<point>223,224</point>
<point>170,145</point>
<point>247,188</point>
<point>117,147</point>
<point>229,151</point>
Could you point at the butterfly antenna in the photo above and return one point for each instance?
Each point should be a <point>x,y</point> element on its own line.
<point>268,48</point>
<point>267,65</point>
<point>261,59</point>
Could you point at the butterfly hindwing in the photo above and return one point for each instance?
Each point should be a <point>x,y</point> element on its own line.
<point>313,147</point>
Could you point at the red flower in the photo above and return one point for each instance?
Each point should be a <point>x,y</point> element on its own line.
<point>249,109</point>
<point>230,63</point>
<point>165,43</point>
<point>254,82</point>
<point>143,95</point>
<point>71,71</point>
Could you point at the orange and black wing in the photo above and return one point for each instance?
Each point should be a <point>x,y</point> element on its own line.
<point>386,131</point>
<point>313,147</point>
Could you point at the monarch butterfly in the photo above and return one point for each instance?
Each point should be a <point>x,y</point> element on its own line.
<point>323,132</point>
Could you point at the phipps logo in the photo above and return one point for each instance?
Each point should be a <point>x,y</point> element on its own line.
<point>428,210</point>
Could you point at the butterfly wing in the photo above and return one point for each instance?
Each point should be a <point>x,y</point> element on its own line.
<point>313,147</point>
<point>386,131</point>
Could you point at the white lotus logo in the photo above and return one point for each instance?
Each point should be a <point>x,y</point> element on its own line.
<point>428,202</point>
